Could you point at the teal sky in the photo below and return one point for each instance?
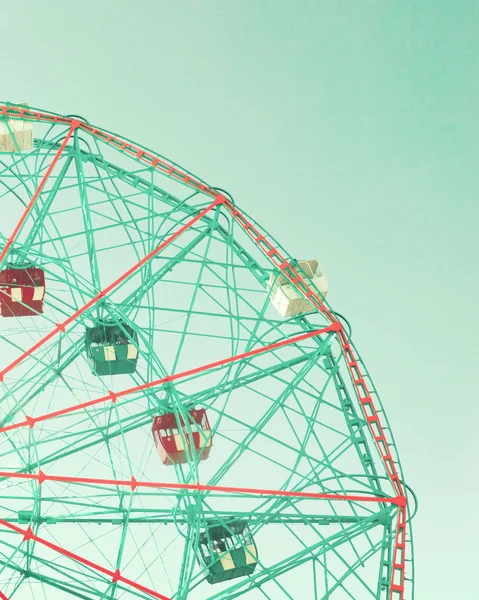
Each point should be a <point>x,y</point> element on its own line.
<point>349,130</point>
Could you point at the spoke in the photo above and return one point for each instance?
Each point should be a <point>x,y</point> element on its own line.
<point>115,576</point>
<point>134,484</point>
<point>37,193</point>
<point>113,396</point>
<point>62,326</point>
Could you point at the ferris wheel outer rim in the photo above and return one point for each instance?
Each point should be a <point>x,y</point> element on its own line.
<point>169,169</point>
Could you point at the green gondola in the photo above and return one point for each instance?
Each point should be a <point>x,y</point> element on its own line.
<point>112,348</point>
<point>228,551</point>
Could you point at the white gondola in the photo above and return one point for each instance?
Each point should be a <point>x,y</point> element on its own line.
<point>22,132</point>
<point>287,300</point>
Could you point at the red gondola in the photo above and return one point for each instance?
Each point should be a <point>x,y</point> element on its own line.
<point>22,292</point>
<point>170,443</point>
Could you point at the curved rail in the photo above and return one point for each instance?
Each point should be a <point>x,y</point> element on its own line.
<point>277,257</point>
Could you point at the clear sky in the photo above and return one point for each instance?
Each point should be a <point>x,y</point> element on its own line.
<point>349,130</point>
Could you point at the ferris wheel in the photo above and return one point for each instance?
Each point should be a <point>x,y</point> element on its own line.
<point>183,414</point>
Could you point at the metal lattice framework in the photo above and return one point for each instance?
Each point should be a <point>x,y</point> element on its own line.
<point>302,450</point>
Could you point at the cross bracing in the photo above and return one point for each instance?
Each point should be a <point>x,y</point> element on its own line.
<point>121,234</point>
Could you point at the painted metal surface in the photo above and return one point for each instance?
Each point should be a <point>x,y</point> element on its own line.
<point>290,402</point>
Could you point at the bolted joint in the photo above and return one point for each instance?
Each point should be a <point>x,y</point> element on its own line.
<point>220,199</point>
<point>116,576</point>
<point>29,535</point>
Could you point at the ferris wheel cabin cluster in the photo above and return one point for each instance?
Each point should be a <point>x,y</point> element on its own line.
<point>225,548</point>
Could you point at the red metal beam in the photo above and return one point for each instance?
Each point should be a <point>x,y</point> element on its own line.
<point>38,191</point>
<point>113,396</point>
<point>109,288</point>
<point>114,575</point>
<point>134,484</point>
